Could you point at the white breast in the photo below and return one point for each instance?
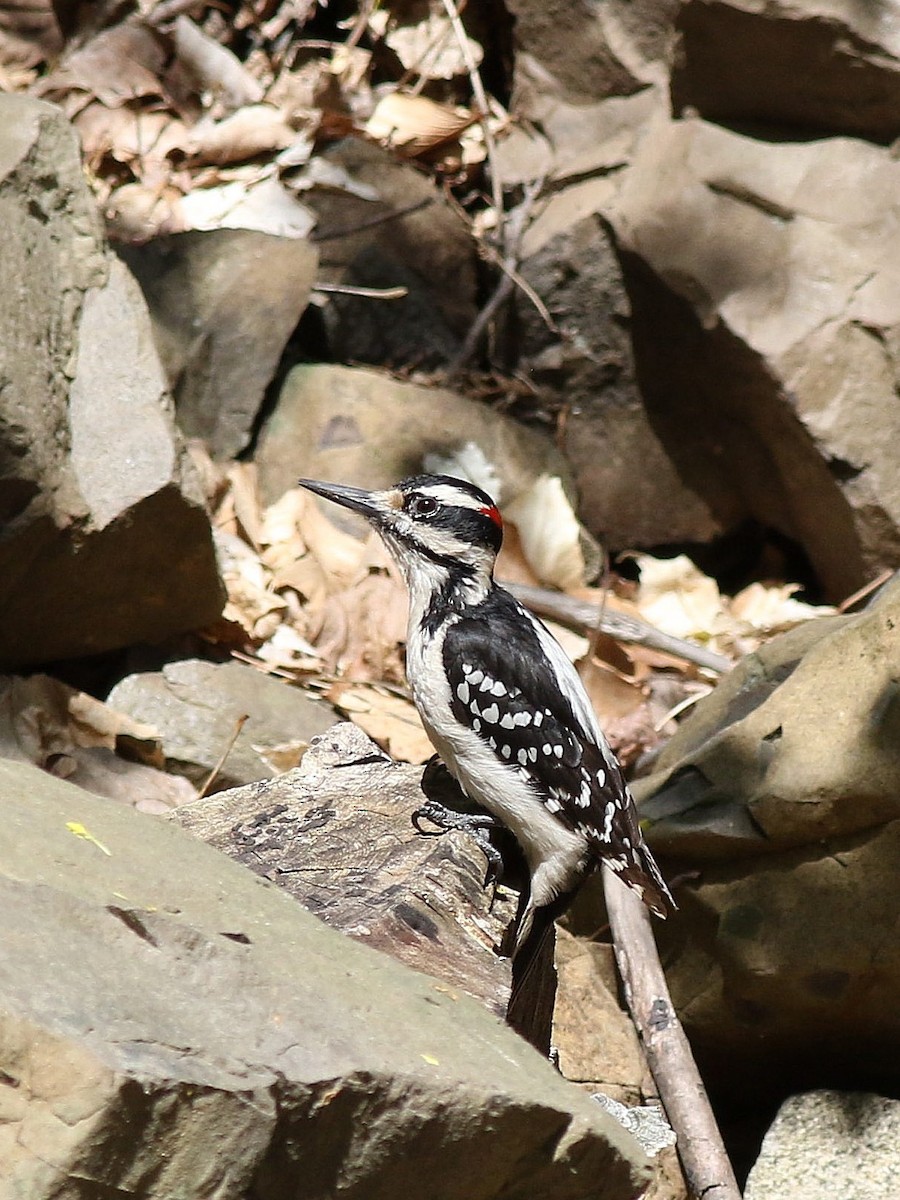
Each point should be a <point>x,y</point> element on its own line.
<point>555,854</point>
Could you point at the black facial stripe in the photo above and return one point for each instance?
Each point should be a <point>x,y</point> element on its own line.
<point>469,526</point>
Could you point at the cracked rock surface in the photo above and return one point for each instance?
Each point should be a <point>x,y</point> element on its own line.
<point>172,1025</point>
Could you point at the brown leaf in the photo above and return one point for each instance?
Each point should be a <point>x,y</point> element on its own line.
<point>253,130</point>
<point>29,33</point>
<point>388,720</point>
<point>415,124</point>
<point>120,64</point>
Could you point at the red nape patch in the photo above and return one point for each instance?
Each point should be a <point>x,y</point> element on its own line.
<point>494,513</point>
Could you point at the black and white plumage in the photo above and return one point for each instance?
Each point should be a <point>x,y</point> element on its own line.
<point>499,698</point>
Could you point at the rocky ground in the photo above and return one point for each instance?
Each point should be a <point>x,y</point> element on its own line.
<point>632,267</point>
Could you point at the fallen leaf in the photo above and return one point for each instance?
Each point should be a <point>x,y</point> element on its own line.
<point>389,720</point>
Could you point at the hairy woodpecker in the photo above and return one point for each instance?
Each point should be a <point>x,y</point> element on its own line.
<point>498,696</point>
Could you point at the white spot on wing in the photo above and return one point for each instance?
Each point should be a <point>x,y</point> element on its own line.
<point>507,721</point>
<point>522,756</point>
<point>491,714</point>
<point>462,691</point>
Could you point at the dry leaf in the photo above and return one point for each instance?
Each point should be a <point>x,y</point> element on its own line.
<point>388,720</point>
<point>117,65</point>
<point>415,124</point>
<point>549,532</point>
<point>265,205</point>
<point>678,598</point>
<point>430,48</point>
<point>213,68</point>
<point>773,609</point>
<point>253,130</point>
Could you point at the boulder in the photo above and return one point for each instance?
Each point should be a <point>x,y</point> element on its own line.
<point>778,800</point>
<point>172,1025</point>
<point>765,315</point>
<point>829,1143</point>
<point>364,427</point>
<point>824,66</point>
<point>195,707</point>
<point>224,303</point>
<point>106,537</point>
<point>583,52</point>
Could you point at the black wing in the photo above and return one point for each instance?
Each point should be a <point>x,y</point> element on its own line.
<point>527,708</point>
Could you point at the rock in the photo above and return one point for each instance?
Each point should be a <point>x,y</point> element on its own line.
<point>582,53</point>
<point>195,707</point>
<point>106,538</point>
<point>359,426</point>
<point>826,66</point>
<point>173,1026</point>
<point>778,800</point>
<point>587,1001</point>
<point>829,1143</point>
<point>224,303</point>
<point>762,765</point>
<point>429,252</point>
<point>629,489</point>
<point>610,1064</point>
<point>765,317</point>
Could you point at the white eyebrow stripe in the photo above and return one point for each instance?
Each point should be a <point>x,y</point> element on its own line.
<point>449,495</point>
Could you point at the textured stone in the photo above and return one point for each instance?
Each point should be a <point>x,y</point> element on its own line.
<point>195,707</point>
<point>429,252</point>
<point>224,303</point>
<point>765,310</point>
<point>827,1143</point>
<point>106,537</point>
<point>348,424</point>
<point>172,1025</point>
<point>824,66</point>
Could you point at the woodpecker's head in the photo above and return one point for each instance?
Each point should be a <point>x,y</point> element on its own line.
<point>429,522</point>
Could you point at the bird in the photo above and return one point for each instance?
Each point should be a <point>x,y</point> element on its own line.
<point>499,698</point>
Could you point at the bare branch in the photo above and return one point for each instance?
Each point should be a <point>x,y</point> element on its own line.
<point>622,627</point>
<point>707,1170</point>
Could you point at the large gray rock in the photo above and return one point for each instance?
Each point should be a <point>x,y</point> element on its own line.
<point>344,423</point>
<point>766,323</point>
<point>780,799</point>
<point>106,538</point>
<point>828,1144</point>
<point>224,303</point>
<point>829,66</point>
<point>173,1026</point>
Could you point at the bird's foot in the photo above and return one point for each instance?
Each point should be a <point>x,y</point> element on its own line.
<point>477,824</point>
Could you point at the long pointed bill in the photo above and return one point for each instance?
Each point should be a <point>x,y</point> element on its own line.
<point>369,504</point>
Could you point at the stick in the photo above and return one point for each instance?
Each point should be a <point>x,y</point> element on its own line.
<point>622,627</point>
<point>509,266</point>
<point>707,1170</point>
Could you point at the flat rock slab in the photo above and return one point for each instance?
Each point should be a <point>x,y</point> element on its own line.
<point>174,1026</point>
<point>195,706</point>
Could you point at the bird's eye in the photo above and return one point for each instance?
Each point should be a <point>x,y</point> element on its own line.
<point>422,506</point>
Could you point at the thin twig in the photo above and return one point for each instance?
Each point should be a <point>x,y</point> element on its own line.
<point>211,777</point>
<point>707,1170</point>
<point>371,222</point>
<point>515,231</point>
<point>621,626</point>
<point>367,293</point>
<point>481,100</point>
